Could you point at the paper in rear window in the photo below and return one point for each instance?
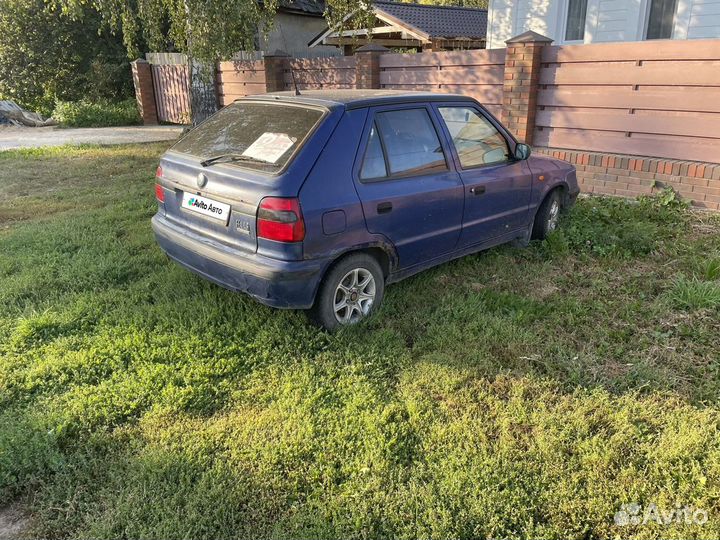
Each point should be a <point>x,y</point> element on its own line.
<point>270,132</point>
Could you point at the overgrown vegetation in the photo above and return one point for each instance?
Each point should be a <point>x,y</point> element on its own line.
<point>46,56</point>
<point>511,394</point>
<point>97,113</point>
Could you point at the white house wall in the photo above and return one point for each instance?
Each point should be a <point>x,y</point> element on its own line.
<point>697,19</point>
<point>616,20</point>
<point>607,20</point>
<point>500,23</point>
<point>537,15</point>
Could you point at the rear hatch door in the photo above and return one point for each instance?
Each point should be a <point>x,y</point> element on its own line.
<point>256,146</point>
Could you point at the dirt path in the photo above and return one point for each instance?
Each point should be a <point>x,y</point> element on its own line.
<point>12,523</point>
<point>25,137</point>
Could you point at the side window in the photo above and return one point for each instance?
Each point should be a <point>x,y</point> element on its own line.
<point>411,142</point>
<point>476,140</point>
<point>373,165</point>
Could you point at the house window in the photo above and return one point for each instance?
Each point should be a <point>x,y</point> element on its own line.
<point>661,19</point>
<point>575,27</point>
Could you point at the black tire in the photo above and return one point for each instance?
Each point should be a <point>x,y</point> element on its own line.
<point>546,219</point>
<point>323,312</point>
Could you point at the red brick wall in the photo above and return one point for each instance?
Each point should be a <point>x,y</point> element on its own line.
<point>144,91</point>
<point>522,74</point>
<point>630,176</point>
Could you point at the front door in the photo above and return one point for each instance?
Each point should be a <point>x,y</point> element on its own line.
<point>409,192</point>
<point>497,186</point>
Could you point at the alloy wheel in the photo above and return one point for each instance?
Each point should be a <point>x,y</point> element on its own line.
<point>354,296</point>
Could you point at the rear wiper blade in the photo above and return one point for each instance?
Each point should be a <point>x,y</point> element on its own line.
<point>229,158</point>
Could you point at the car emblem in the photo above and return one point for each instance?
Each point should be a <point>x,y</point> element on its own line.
<point>201,180</point>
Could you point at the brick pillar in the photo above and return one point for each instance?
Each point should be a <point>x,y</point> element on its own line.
<point>367,65</point>
<point>144,91</point>
<point>276,65</point>
<point>522,76</point>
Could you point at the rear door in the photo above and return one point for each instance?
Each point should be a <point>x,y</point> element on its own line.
<point>409,190</point>
<point>497,186</point>
<point>258,145</point>
<point>192,192</point>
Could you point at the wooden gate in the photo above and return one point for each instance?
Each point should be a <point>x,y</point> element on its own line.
<point>172,92</point>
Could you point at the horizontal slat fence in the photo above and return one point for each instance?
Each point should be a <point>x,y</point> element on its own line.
<point>657,98</point>
<point>172,92</point>
<point>478,73</point>
<point>239,78</point>
<point>321,73</point>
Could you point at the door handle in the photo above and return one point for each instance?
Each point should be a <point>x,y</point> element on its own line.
<point>384,207</point>
<point>477,190</point>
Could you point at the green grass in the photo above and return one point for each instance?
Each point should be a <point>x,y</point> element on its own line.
<point>515,393</point>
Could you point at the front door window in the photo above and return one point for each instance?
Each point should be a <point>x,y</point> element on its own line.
<point>476,140</point>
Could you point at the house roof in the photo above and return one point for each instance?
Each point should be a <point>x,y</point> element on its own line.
<point>427,22</point>
<point>437,22</point>
<point>309,7</point>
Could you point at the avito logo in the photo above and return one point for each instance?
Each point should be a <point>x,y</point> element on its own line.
<point>197,203</point>
<point>202,205</point>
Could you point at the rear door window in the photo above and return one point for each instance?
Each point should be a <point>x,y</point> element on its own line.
<point>409,144</point>
<point>374,163</point>
<point>266,134</point>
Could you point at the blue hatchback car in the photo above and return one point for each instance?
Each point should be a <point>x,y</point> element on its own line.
<point>317,201</point>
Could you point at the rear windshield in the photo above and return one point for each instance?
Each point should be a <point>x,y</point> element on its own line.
<point>266,135</point>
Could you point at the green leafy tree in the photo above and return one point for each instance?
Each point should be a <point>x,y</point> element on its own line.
<point>46,56</point>
<point>205,30</point>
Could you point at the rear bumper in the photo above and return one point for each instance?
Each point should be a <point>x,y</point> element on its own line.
<point>273,282</point>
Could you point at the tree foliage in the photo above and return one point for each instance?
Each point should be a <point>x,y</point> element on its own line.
<point>344,15</point>
<point>206,30</point>
<point>46,56</point>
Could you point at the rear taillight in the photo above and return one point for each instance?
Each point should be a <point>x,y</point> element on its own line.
<point>280,219</point>
<point>159,191</point>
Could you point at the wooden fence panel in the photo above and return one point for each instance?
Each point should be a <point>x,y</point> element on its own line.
<point>321,73</point>
<point>239,78</point>
<point>659,99</point>
<point>172,92</point>
<point>479,74</point>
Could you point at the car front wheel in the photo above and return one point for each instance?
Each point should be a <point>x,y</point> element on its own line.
<point>351,291</point>
<point>548,216</point>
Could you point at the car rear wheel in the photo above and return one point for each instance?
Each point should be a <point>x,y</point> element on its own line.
<point>548,216</point>
<point>350,292</point>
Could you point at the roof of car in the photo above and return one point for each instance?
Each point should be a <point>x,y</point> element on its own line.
<point>355,99</point>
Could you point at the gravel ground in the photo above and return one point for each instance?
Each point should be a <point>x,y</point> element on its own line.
<point>25,137</point>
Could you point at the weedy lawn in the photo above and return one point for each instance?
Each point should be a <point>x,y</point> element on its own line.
<point>515,393</point>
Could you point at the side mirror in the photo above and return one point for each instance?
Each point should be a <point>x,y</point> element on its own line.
<point>522,151</point>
